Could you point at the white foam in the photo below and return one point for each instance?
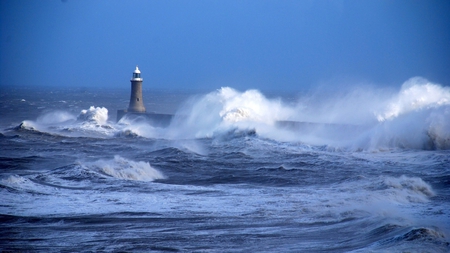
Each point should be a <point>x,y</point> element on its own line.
<point>13,180</point>
<point>417,116</point>
<point>416,94</point>
<point>250,105</point>
<point>225,109</point>
<point>97,114</point>
<point>409,189</point>
<point>439,128</point>
<point>25,184</point>
<point>29,125</point>
<point>122,168</point>
<point>131,127</point>
<point>364,117</point>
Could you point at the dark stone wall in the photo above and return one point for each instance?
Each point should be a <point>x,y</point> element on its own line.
<point>136,101</point>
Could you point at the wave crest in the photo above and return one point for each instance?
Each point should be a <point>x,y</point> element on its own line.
<point>417,93</point>
<point>122,168</point>
<point>413,189</point>
<point>98,115</point>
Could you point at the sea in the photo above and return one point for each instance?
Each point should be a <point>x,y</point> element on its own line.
<point>362,169</point>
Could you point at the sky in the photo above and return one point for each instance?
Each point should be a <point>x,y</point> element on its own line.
<point>206,44</point>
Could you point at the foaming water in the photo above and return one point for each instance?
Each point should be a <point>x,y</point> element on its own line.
<point>226,109</point>
<point>98,115</point>
<point>122,168</point>
<point>416,117</point>
<point>235,171</point>
<point>415,94</point>
<point>90,122</point>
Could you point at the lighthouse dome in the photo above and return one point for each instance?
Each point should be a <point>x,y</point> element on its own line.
<point>136,75</point>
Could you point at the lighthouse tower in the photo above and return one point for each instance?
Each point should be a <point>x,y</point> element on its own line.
<point>136,103</point>
<point>136,108</point>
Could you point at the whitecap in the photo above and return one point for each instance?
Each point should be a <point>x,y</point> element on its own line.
<point>122,168</point>
<point>98,115</point>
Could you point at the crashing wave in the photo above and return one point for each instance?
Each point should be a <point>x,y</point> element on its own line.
<point>410,189</point>
<point>416,94</point>
<point>439,128</point>
<point>236,115</point>
<point>127,133</point>
<point>250,105</point>
<point>26,125</point>
<point>122,168</point>
<point>226,109</point>
<point>98,115</point>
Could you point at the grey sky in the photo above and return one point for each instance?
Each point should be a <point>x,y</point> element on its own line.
<point>267,45</point>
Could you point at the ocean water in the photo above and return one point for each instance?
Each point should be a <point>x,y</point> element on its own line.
<point>365,170</point>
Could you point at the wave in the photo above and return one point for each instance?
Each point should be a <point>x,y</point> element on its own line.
<point>27,125</point>
<point>225,109</point>
<point>412,239</point>
<point>409,189</point>
<point>92,122</point>
<point>425,129</point>
<point>122,168</point>
<point>422,234</point>
<point>98,115</point>
<point>83,175</point>
<point>32,127</point>
<point>392,237</point>
<point>136,126</point>
<point>361,118</point>
<point>25,184</point>
<point>89,123</point>
<point>417,116</point>
<point>380,195</point>
<point>415,94</point>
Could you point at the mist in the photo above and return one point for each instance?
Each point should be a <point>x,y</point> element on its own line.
<point>416,116</point>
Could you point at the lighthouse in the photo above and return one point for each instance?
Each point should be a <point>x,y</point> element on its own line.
<point>136,109</point>
<point>136,102</point>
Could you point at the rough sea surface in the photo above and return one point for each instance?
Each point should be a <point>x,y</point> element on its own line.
<point>365,170</point>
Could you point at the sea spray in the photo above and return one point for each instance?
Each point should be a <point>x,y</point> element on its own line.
<point>55,117</point>
<point>226,109</point>
<point>234,188</point>
<point>413,117</point>
<point>416,94</point>
<point>361,118</point>
<point>98,115</point>
<point>416,117</point>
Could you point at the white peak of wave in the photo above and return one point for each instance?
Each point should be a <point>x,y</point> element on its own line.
<point>13,180</point>
<point>236,115</point>
<point>96,114</point>
<point>250,105</point>
<point>122,168</point>
<point>227,109</point>
<point>414,189</point>
<point>27,124</point>
<point>417,93</point>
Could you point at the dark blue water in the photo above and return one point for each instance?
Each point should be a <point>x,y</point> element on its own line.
<point>225,176</point>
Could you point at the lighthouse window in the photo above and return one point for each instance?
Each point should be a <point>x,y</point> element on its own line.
<point>137,99</point>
